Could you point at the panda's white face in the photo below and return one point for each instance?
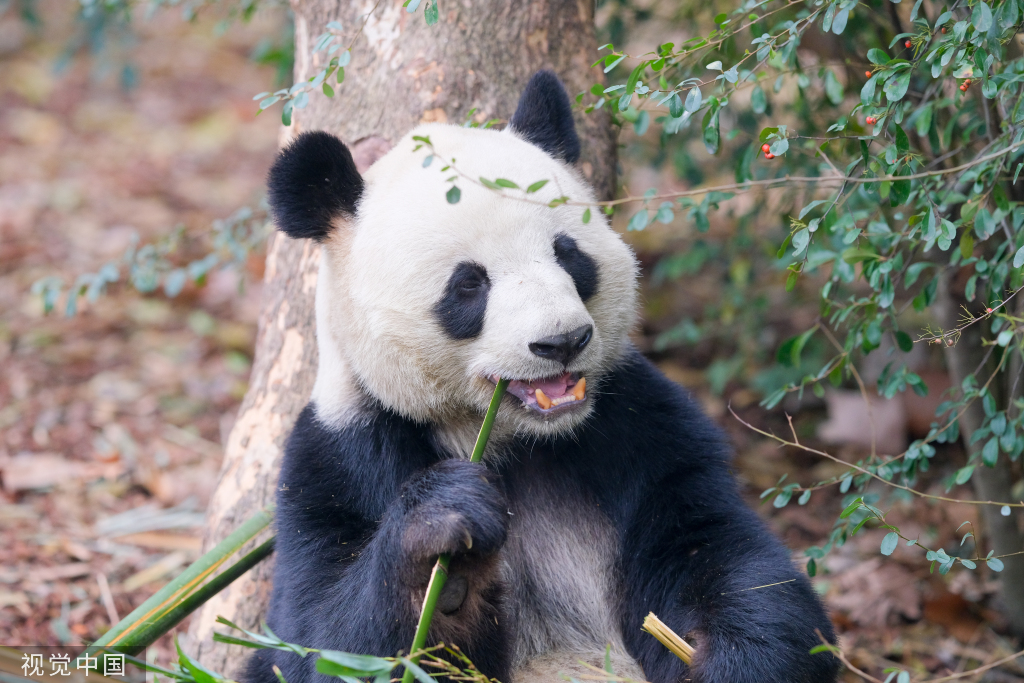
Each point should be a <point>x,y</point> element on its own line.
<point>425,303</point>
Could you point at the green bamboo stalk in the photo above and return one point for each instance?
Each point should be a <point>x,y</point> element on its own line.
<point>150,631</point>
<point>439,575</point>
<point>150,619</point>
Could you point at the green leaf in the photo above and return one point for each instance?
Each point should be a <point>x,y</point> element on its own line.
<point>758,101</point>
<point>665,214</point>
<point>901,189</point>
<point>963,475</point>
<point>1018,258</point>
<point>430,14</point>
<point>639,220</point>
<point>536,186</point>
<point>896,87</point>
<point>981,17</point>
<point>902,142</point>
<point>966,244</point>
<point>286,114</point>
<point>839,23</point>
<point>586,216</point>
<point>453,195</point>
<point>876,56</point>
<point>335,663</point>
<point>851,508</point>
<point>693,100</point>
<point>890,542</point>
<point>800,241</point>
<point>867,92</point>
<point>418,673</point>
<point>780,147</point>
<point>904,341</point>
<point>634,77</point>
<point>175,282</point>
<point>613,63</point>
<point>791,349</point>
<point>641,123</point>
<point>833,88</point>
<point>711,134</point>
<point>504,182</point>
<point>782,499</point>
<point>806,495</point>
<point>995,564</point>
<point>675,106</point>
<point>990,453</point>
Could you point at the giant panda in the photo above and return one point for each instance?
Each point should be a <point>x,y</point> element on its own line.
<point>604,493</point>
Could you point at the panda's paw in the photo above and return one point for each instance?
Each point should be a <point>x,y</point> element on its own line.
<point>454,507</point>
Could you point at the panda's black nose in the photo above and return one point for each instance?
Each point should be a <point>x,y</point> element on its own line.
<point>563,348</point>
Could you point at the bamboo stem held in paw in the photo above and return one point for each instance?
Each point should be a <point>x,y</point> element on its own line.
<point>439,574</point>
<point>669,638</point>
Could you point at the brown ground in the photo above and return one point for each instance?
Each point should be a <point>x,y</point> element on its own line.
<point>122,408</point>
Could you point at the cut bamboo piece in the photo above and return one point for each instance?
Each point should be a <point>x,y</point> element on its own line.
<point>669,638</point>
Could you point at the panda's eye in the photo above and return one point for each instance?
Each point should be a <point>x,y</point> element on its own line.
<point>578,264</point>
<point>462,306</point>
<point>468,279</point>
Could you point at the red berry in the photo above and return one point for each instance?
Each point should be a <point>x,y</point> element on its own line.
<point>765,147</point>
<point>988,310</point>
<point>963,88</point>
<point>943,29</point>
<point>769,155</point>
<point>908,43</point>
<point>868,74</point>
<point>968,83</point>
<point>870,120</point>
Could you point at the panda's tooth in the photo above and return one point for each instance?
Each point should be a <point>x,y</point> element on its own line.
<point>542,400</point>
<point>580,390</point>
<point>467,539</point>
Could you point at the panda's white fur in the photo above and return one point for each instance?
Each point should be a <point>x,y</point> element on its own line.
<point>382,272</point>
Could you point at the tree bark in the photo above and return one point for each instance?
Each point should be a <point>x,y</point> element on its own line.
<point>479,55</point>
<point>989,483</point>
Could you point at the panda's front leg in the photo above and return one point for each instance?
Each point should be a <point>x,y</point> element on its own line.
<point>454,507</point>
<point>705,564</point>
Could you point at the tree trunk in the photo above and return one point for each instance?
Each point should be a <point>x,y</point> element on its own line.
<point>989,483</point>
<point>479,55</point>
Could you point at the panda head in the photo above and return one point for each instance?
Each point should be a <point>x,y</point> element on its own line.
<point>422,304</point>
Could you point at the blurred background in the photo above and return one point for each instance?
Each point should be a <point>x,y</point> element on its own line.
<point>124,132</point>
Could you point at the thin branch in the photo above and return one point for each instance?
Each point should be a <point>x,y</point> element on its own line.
<point>808,449</point>
<point>965,674</point>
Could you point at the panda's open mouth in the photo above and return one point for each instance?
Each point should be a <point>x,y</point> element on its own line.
<point>549,395</point>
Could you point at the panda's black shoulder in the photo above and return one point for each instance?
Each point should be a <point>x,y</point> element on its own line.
<point>647,424</point>
<point>639,393</point>
<point>355,467</point>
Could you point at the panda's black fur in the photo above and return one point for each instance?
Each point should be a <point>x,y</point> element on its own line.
<point>364,508</point>
<point>313,181</point>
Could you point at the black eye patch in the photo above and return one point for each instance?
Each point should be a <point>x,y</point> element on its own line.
<point>581,268</point>
<point>461,309</point>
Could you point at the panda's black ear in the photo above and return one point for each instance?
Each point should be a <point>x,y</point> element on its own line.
<point>544,117</point>
<point>313,181</point>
